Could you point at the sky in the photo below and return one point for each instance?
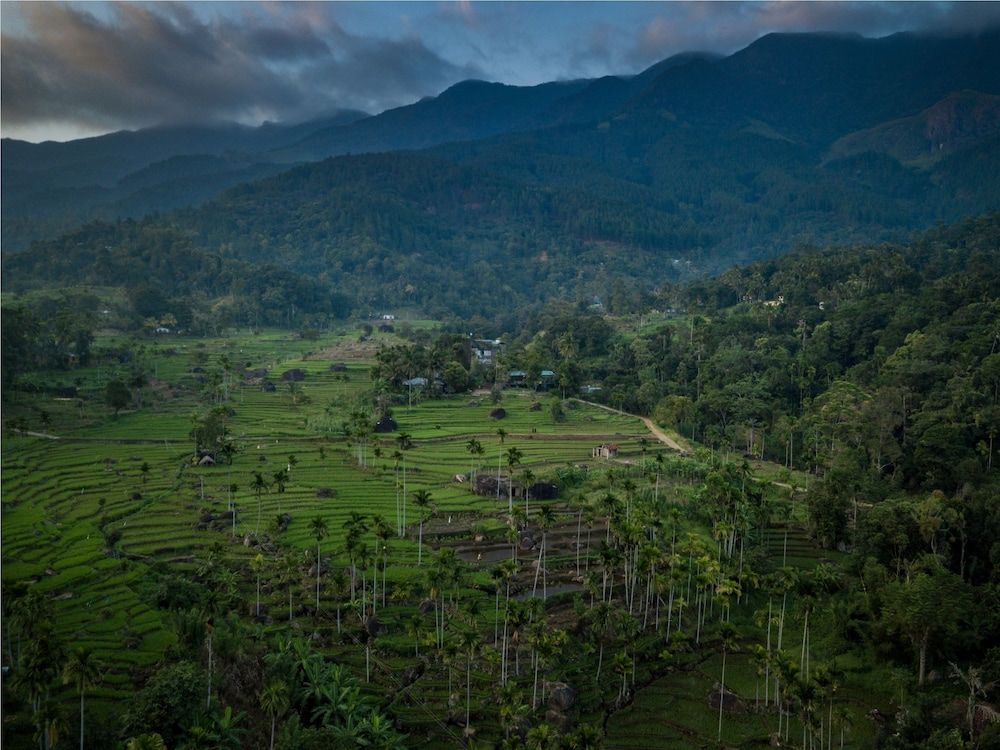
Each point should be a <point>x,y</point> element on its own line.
<point>69,70</point>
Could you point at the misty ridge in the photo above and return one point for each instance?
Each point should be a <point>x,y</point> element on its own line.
<point>696,163</point>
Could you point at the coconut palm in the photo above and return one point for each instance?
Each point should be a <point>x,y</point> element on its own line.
<point>469,643</point>
<point>422,499</point>
<point>288,569</point>
<point>50,720</point>
<point>82,670</point>
<point>383,532</point>
<point>514,456</point>
<point>475,449</point>
<point>280,480</point>
<point>727,632</point>
<point>319,531</point>
<point>415,628</point>
<point>972,679</point>
<point>259,485</point>
<point>546,518</point>
<point>274,699</point>
<point>501,437</point>
<point>257,565</point>
<point>527,479</point>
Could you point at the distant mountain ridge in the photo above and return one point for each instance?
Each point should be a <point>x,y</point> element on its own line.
<point>522,192</point>
<point>959,120</point>
<point>57,186</point>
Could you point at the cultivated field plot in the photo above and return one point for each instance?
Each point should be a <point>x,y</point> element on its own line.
<point>133,476</point>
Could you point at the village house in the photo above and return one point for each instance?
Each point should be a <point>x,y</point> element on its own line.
<point>486,350</point>
<point>605,451</point>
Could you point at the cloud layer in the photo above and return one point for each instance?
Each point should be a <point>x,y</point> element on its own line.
<point>143,65</point>
<point>97,67</point>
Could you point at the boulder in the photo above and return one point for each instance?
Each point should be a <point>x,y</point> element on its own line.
<point>296,374</point>
<point>731,702</point>
<point>338,367</point>
<point>561,696</point>
<point>326,492</point>
<point>498,413</point>
<point>268,387</point>
<point>536,406</point>
<point>374,627</point>
<point>386,424</point>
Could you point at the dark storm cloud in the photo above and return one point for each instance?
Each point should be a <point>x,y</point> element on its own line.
<point>728,26</point>
<point>141,65</point>
<point>96,67</point>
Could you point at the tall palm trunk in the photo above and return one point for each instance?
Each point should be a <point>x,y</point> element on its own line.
<point>538,569</point>
<point>468,690</point>
<point>722,690</point>
<point>81,719</point>
<point>208,699</point>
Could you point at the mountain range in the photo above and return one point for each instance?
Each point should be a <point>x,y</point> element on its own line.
<point>491,195</point>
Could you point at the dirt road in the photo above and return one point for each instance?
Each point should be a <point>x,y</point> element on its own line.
<point>650,425</point>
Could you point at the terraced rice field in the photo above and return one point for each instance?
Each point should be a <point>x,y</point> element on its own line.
<point>59,493</point>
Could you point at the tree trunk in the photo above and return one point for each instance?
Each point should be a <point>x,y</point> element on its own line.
<point>468,691</point>
<point>923,658</point>
<point>274,720</point>
<point>534,689</point>
<point>208,700</point>
<point>722,691</point>
<point>81,720</point>
<point>538,569</point>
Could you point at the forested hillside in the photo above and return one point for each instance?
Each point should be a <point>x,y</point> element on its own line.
<point>877,366</point>
<point>698,162</point>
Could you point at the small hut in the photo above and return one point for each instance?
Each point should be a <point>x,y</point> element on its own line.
<point>605,451</point>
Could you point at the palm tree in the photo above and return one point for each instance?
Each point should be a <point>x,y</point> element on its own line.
<point>397,457</point>
<point>469,640</point>
<point>546,517</point>
<point>513,459</point>
<point>275,701</point>
<point>382,534</point>
<point>258,485</point>
<point>257,565</point>
<point>50,718</point>
<point>415,627</point>
<point>82,670</point>
<point>319,531</point>
<point>728,633</point>
<point>280,480</point>
<point>285,568</point>
<point>422,499</point>
<point>527,478</point>
<point>501,436</point>
<point>475,449</point>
